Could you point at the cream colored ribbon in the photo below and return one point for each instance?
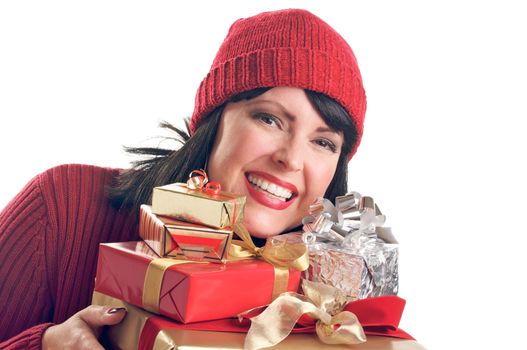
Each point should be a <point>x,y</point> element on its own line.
<point>321,302</point>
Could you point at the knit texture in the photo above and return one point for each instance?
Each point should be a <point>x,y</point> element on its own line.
<point>49,238</point>
<point>283,48</point>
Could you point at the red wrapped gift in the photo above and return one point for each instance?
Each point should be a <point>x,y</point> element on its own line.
<point>178,239</point>
<point>142,330</point>
<point>183,290</point>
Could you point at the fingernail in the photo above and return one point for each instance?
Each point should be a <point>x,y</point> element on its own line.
<point>116,309</point>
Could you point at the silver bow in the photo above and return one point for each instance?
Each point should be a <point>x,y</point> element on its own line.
<point>355,225</point>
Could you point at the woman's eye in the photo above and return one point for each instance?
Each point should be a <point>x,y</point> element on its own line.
<point>326,144</point>
<point>268,119</point>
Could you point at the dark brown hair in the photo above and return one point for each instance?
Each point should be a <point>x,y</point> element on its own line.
<point>160,166</point>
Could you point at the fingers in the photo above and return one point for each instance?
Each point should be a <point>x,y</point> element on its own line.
<point>115,315</point>
<point>97,316</point>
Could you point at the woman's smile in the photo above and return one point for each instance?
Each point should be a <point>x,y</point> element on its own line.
<point>270,191</point>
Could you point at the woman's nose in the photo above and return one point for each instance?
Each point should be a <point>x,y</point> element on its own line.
<point>289,155</point>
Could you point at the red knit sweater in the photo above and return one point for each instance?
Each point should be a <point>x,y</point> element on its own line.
<point>49,237</point>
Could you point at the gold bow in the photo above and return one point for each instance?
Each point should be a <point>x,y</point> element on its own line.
<point>282,257</point>
<point>321,302</point>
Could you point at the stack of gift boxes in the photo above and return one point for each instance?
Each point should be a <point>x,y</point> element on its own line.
<point>183,270</point>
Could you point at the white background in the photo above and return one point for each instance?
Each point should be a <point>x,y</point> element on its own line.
<point>442,153</point>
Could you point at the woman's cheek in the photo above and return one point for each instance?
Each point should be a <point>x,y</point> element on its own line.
<point>318,173</point>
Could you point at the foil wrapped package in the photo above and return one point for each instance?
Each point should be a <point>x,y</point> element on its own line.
<point>199,201</point>
<point>348,247</point>
<point>360,275</point>
<point>183,240</point>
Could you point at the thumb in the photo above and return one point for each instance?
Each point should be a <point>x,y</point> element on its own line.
<point>97,316</point>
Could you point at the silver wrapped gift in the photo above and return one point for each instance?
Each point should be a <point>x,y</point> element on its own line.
<point>348,247</point>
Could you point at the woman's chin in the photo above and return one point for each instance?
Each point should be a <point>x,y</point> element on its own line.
<point>261,231</point>
<point>263,234</point>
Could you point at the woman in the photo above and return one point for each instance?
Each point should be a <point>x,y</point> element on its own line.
<point>276,119</point>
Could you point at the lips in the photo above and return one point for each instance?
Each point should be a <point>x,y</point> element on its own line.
<point>272,188</point>
<point>270,191</point>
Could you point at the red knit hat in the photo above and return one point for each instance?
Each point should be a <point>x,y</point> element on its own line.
<point>283,48</point>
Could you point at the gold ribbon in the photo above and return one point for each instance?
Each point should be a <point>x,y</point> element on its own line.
<point>154,279</point>
<point>282,257</point>
<point>321,302</point>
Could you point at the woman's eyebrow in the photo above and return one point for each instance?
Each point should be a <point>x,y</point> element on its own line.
<point>283,110</point>
<point>327,129</point>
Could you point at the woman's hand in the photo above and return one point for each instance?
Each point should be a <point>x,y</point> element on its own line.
<point>81,330</point>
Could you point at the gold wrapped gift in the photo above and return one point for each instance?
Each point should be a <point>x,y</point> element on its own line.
<point>178,239</point>
<point>218,210</point>
<point>128,334</point>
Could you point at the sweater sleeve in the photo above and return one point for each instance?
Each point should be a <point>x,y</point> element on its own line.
<point>31,338</point>
<point>25,301</point>
<point>49,239</point>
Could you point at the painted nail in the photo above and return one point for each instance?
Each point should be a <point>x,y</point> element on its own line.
<point>116,309</point>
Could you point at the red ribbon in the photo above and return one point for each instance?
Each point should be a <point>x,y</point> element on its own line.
<point>201,182</point>
<point>377,315</point>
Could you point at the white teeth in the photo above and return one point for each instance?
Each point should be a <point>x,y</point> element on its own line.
<point>270,188</point>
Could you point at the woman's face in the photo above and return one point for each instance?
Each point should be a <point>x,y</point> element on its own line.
<point>277,151</point>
